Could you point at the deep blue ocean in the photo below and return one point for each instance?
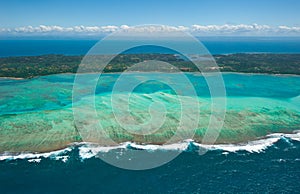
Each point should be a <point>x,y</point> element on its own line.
<point>215,45</point>
<point>274,169</point>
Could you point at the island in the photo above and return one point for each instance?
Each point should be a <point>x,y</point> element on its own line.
<point>32,66</point>
<point>43,114</point>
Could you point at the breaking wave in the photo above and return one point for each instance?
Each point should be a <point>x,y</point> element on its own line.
<point>88,150</point>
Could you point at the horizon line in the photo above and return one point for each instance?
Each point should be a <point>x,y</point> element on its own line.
<point>195,30</point>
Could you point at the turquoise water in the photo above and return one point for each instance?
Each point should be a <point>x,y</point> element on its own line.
<point>37,114</point>
<point>257,150</point>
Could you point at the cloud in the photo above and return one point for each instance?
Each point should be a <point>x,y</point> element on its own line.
<point>286,29</point>
<point>231,29</point>
<point>54,29</point>
<point>196,29</point>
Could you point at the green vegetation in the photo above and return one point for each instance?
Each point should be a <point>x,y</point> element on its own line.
<point>31,66</point>
<point>260,63</point>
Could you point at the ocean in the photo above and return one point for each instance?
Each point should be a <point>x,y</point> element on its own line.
<point>256,151</point>
<point>215,45</point>
<point>275,170</point>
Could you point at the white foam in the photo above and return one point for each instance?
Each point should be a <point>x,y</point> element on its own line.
<point>181,146</point>
<point>256,146</point>
<point>62,158</point>
<point>89,150</point>
<point>36,157</point>
<point>35,160</point>
<point>252,146</point>
<point>294,136</point>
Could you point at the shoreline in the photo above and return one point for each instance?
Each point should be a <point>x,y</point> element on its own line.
<point>252,144</point>
<point>14,78</point>
<point>222,72</point>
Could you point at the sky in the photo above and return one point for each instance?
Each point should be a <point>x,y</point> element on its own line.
<point>15,14</point>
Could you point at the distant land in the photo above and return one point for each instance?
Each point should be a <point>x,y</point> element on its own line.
<point>32,66</point>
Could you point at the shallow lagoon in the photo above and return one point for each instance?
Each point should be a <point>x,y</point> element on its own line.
<point>36,115</point>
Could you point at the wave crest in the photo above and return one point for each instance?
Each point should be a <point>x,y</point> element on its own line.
<point>88,150</point>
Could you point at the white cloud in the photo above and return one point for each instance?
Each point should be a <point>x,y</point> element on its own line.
<point>289,29</point>
<point>231,29</point>
<point>226,29</point>
<point>54,29</point>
